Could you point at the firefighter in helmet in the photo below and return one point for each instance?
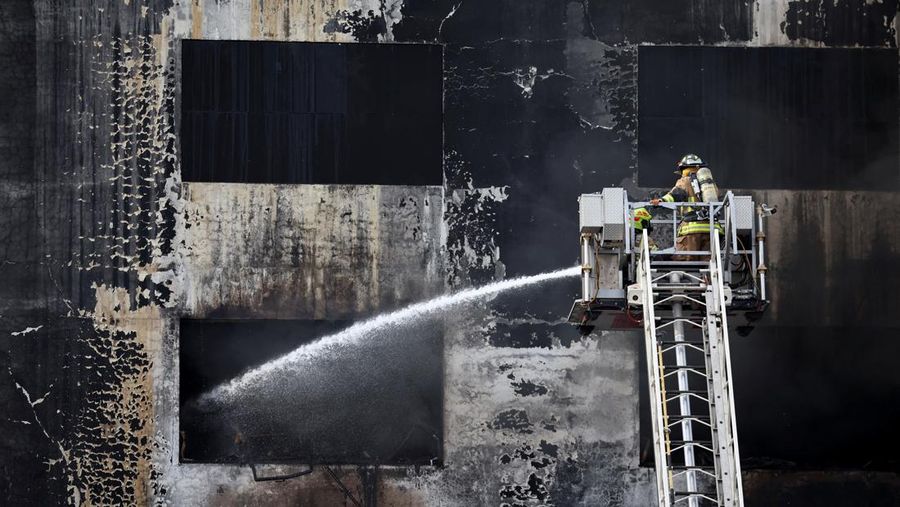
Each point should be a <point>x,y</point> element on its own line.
<point>642,219</point>
<point>694,185</point>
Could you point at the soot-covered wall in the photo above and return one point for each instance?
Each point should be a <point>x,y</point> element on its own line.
<point>108,248</point>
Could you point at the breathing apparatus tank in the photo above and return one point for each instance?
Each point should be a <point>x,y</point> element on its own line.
<point>708,189</point>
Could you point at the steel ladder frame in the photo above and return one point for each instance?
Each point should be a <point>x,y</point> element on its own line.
<point>684,287</point>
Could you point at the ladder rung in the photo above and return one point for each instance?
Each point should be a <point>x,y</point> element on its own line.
<point>697,420</point>
<point>682,342</point>
<point>698,316</point>
<point>692,346</point>
<point>695,446</point>
<point>686,367</point>
<point>688,391</point>
<point>683,442</point>
<point>694,494</point>
<point>662,312</point>
<point>668,318</point>
<point>692,467</point>
<point>704,472</point>
<point>670,348</point>
<point>697,417</point>
<point>694,316</point>
<point>672,322</point>
<point>688,495</point>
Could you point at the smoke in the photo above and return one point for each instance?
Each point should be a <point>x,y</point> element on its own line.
<point>252,381</point>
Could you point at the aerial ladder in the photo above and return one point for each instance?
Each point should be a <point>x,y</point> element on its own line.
<point>683,303</point>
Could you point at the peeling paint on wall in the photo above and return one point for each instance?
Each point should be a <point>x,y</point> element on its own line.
<point>471,226</point>
<point>293,20</point>
<point>767,18</point>
<point>136,78</point>
<point>264,251</point>
<point>111,462</point>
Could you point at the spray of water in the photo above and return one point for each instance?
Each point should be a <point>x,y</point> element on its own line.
<point>250,381</point>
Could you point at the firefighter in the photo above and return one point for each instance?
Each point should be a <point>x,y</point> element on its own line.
<point>694,185</point>
<point>642,219</point>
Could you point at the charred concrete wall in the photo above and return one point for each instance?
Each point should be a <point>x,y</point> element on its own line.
<point>106,248</point>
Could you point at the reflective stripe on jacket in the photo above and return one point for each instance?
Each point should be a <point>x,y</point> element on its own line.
<point>683,191</point>
<point>697,228</point>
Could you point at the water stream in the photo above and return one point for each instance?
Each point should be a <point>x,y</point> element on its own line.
<point>253,380</point>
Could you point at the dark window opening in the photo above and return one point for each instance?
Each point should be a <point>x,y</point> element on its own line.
<point>376,401</point>
<point>793,118</point>
<point>302,112</point>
